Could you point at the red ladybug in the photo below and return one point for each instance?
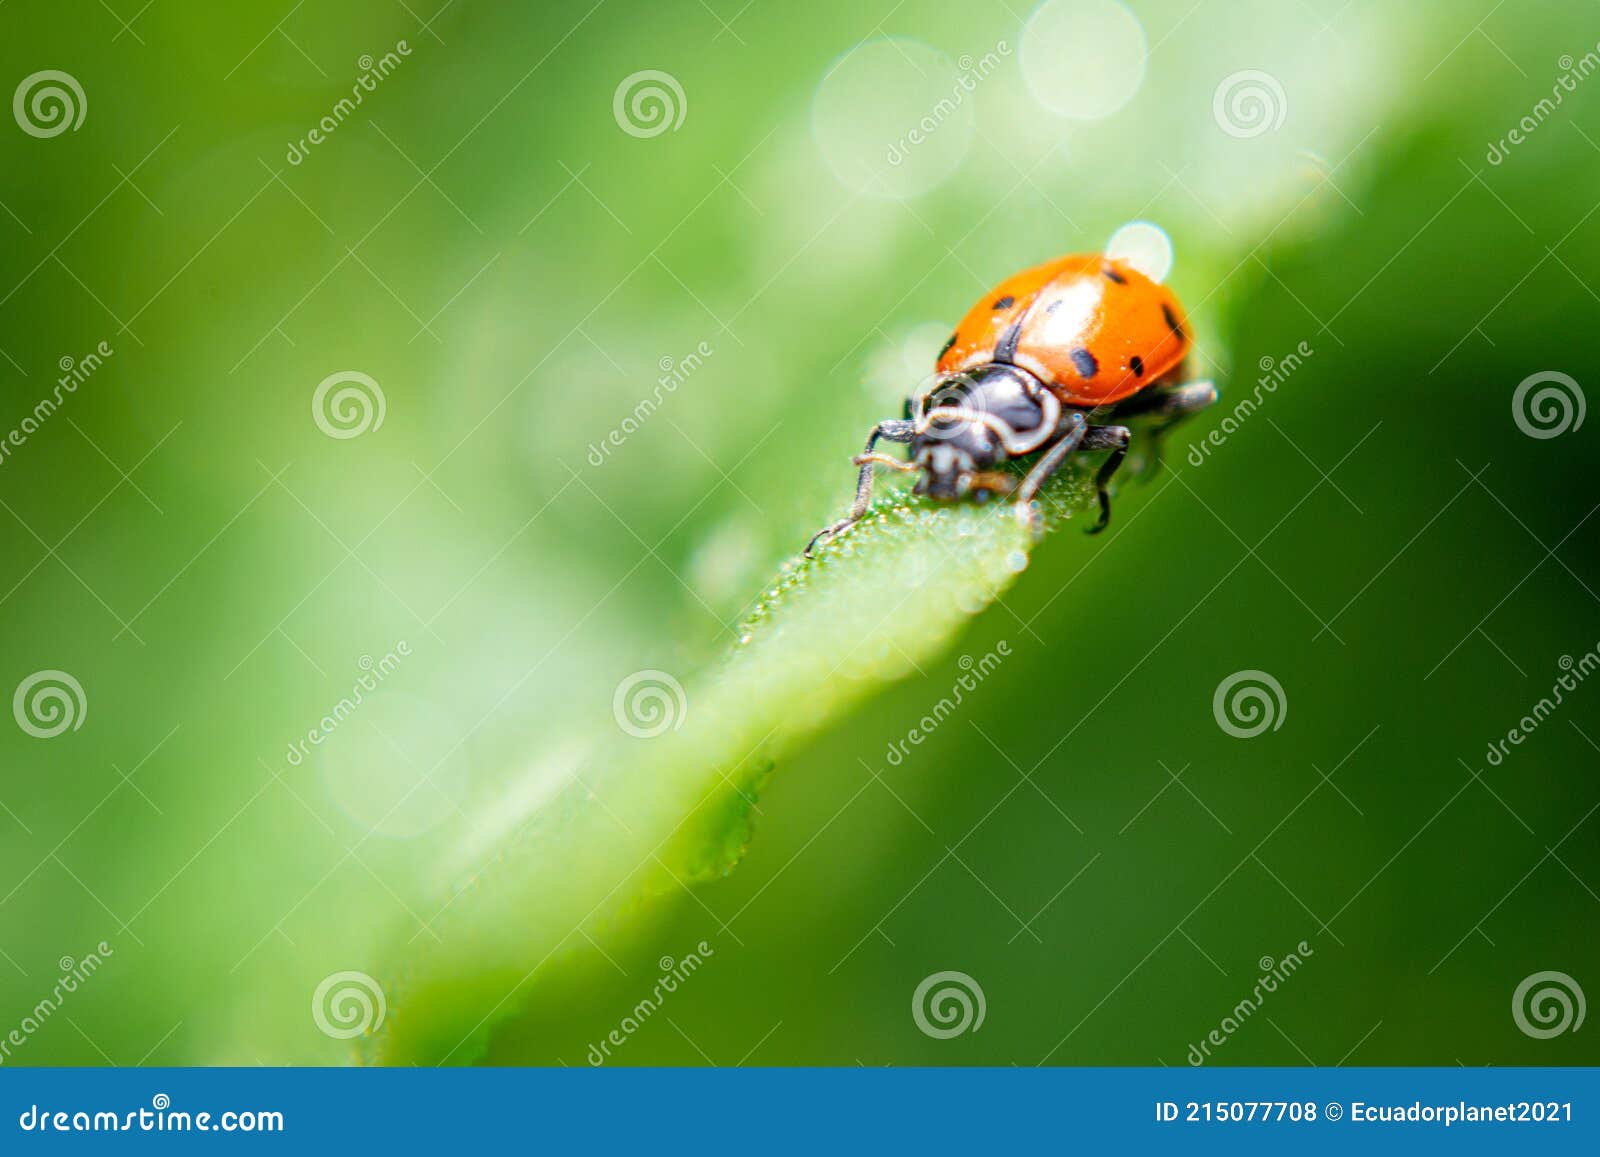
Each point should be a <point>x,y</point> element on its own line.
<point>1036,365</point>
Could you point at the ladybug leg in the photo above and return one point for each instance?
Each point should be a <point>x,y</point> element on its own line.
<point>1172,402</point>
<point>1115,439</point>
<point>890,430</point>
<point>1073,428</point>
<point>1169,405</point>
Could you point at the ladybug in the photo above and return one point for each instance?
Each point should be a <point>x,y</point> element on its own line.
<point>1053,359</point>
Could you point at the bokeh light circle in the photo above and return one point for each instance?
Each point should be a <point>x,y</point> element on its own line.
<point>1083,58</point>
<point>1145,246</point>
<point>892,118</point>
<point>895,365</point>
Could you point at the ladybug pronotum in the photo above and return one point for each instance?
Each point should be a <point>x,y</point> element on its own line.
<point>1052,360</point>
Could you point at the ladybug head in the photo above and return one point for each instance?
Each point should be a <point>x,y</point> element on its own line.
<point>974,421</point>
<point>946,471</point>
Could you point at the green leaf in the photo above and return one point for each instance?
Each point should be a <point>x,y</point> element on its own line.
<point>628,819</point>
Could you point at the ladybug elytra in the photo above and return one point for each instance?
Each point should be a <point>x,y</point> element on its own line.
<point>1051,360</point>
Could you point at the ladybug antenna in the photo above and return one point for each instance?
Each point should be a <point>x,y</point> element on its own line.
<point>890,430</point>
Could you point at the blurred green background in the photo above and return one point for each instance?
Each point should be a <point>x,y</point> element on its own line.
<point>485,238</point>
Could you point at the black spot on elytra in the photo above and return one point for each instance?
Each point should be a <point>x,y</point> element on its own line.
<point>1083,361</point>
<point>1006,348</point>
<point>1005,302</point>
<point>1172,322</point>
<point>1113,275</point>
<point>947,346</point>
<point>1136,364</point>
